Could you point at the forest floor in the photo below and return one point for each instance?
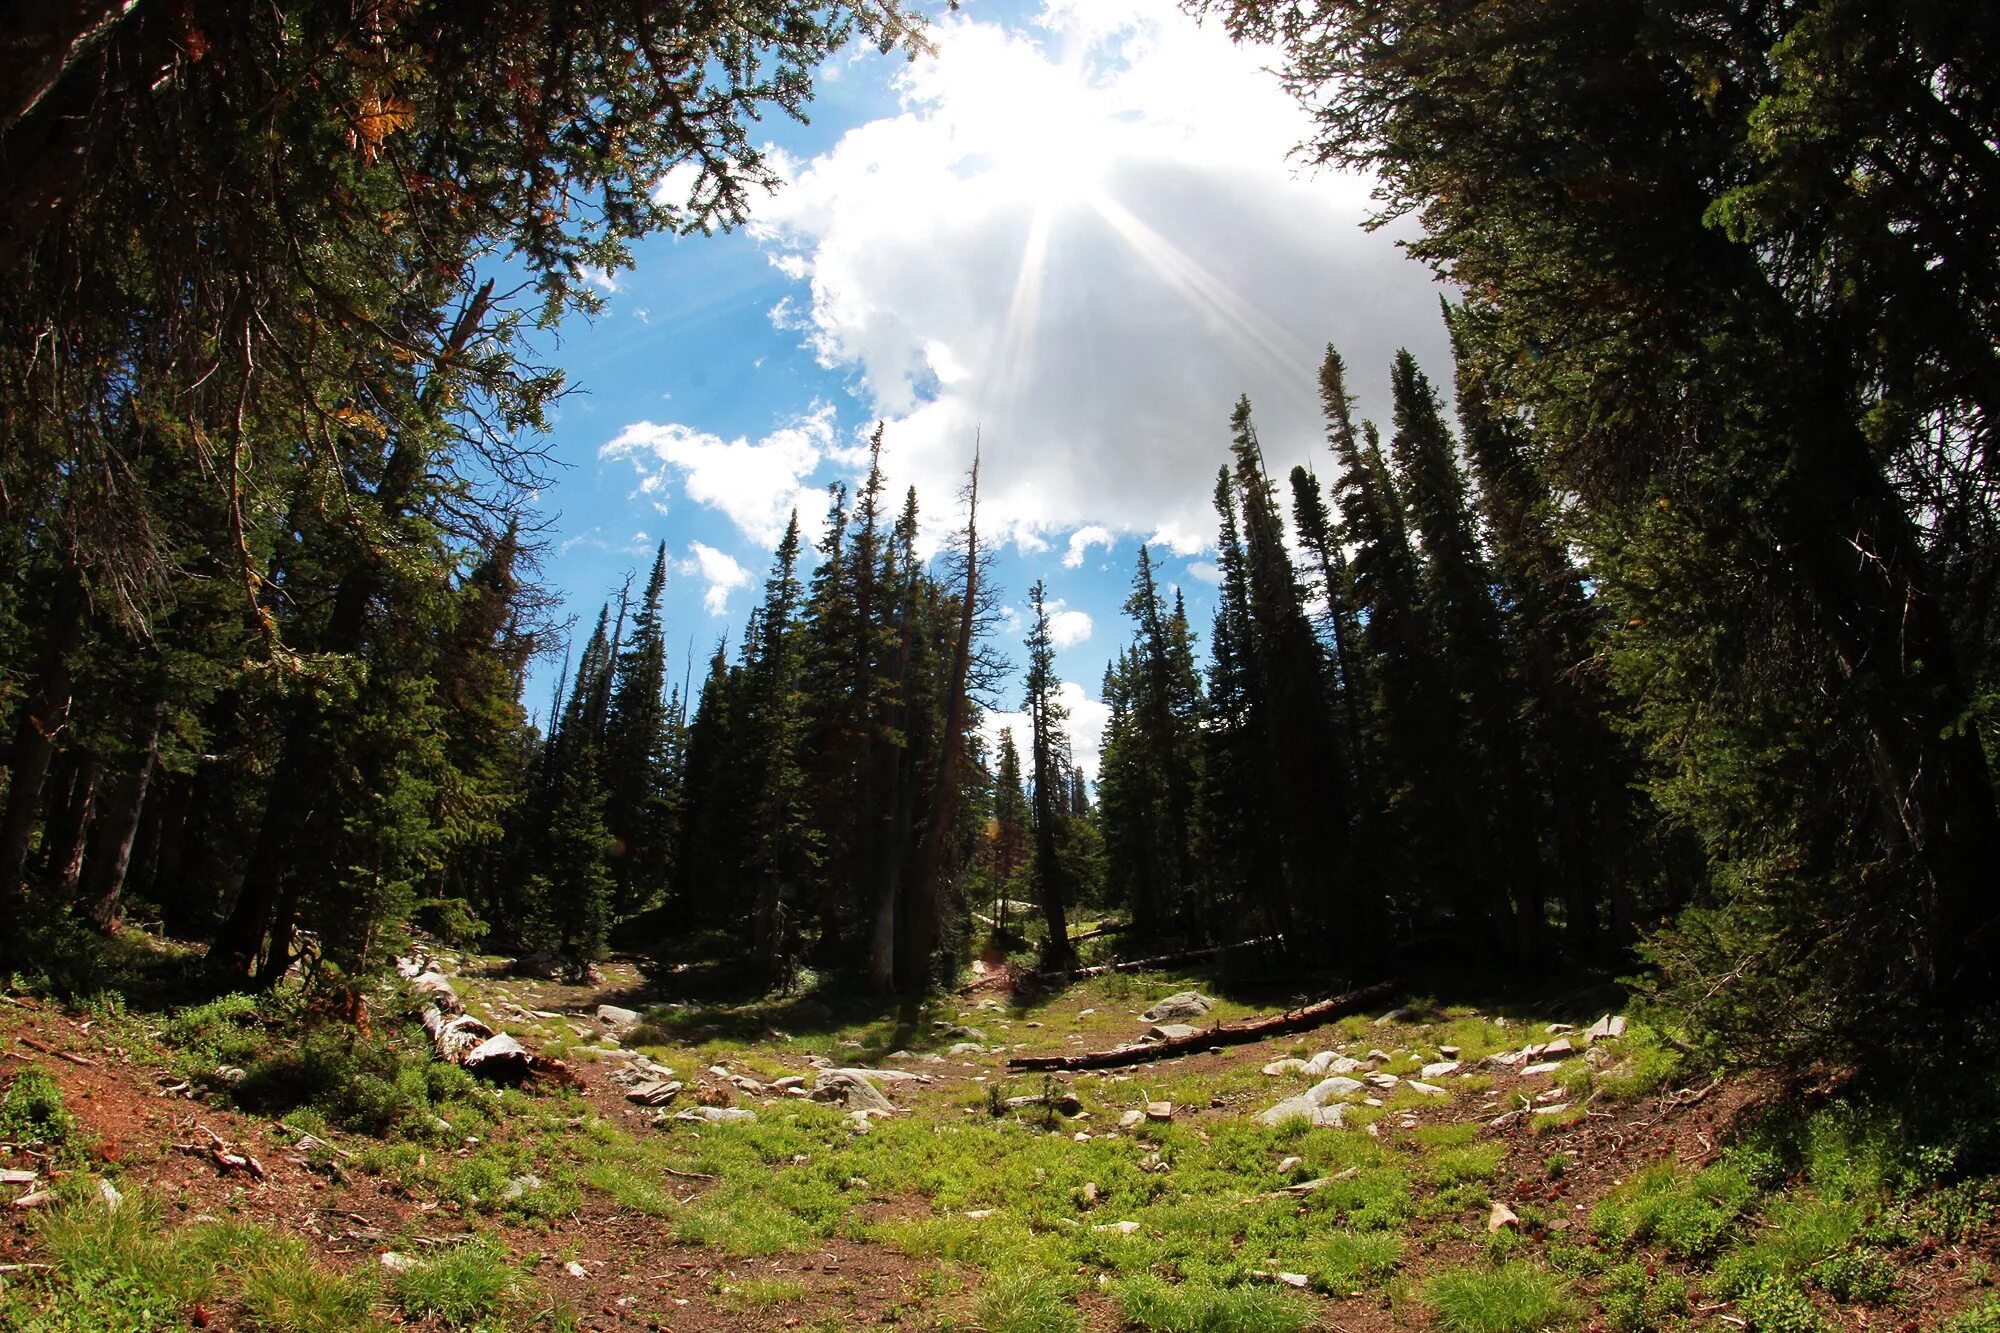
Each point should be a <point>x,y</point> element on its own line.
<point>1607,1186</point>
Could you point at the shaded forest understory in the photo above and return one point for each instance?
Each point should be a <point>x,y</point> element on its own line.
<point>1662,648</point>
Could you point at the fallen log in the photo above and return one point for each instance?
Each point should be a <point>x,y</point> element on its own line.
<point>1238,1033</point>
<point>459,1038</point>
<point>1148,964</point>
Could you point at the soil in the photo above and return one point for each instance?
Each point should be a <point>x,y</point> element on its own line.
<point>641,1280</point>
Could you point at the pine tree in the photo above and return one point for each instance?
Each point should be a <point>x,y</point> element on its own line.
<point>1050,747</point>
<point>638,797</point>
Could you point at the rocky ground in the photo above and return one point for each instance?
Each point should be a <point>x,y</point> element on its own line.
<point>794,1164</point>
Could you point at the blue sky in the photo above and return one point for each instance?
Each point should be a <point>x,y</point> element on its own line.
<point>1075,230</point>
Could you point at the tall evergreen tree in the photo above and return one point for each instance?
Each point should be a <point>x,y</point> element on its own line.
<point>1050,747</point>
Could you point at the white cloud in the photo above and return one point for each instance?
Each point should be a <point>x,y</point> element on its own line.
<point>1083,239</point>
<point>1080,542</point>
<point>719,570</point>
<point>756,484</point>
<point>1088,718</point>
<point>1069,628</point>
<point>1207,571</point>
<point>602,279</point>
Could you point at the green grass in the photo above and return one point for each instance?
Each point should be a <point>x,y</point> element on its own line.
<point>1981,1318</point>
<point>117,1270</point>
<point>1638,1301</point>
<point>757,1293</point>
<point>32,1114</point>
<point>1687,1215</point>
<point>474,1286</point>
<point>1513,1298</point>
<point>1343,1262</point>
<point>1199,1307</point>
<point>1027,1303</point>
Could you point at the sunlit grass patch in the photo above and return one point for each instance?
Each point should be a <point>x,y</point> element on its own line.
<point>1027,1302</point>
<point>287,1291</point>
<point>1200,1307</point>
<point>470,1286</point>
<point>757,1293</point>
<point>1512,1298</point>
<point>1687,1215</point>
<point>1344,1262</point>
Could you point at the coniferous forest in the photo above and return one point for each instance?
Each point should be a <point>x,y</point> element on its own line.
<point>1652,644</point>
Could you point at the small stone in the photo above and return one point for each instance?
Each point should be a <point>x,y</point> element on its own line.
<point>851,1089</point>
<point>576,1270</point>
<point>1131,1118</point>
<point>393,1262</point>
<point>1448,1052</point>
<point>1380,1056</point>
<point>1085,1013</point>
<point>1440,1069</point>
<point>1394,1016</point>
<point>1427,1089</point>
<point>964,1033</point>
<point>1171,1031</point>
<point>1549,1068</point>
<point>1557,1109</point>
<point>1555,1028</point>
<point>1384,1080</point>
<point>1298,1280</point>
<point>1089,1193</point>
<point>228,1075</point>
<point>968,1048</point>
<point>521,1187</point>
<point>724,1115</point>
<point>1121,1228</point>
<point>1501,1217</point>
<point>1558,1049</point>
<point>1081,1137</point>
<point>788,1082</point>
<point>1287,1166</point>
<point>1551,1094</point>
<point>1292,1065</point>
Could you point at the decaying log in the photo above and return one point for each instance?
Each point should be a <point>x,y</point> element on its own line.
<point>1221,1034</point>
<point>1148,964</point>
<point>459,1038</point>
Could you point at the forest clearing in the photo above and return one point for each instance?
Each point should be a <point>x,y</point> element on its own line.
<point>1020,666</point>
<point>1497,1169</point>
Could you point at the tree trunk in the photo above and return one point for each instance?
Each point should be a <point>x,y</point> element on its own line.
<point>44,714</point>
<point>118,824</point>
<point>73,795</point>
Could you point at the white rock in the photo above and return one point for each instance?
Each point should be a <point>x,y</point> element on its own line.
<point>1285,1167</point>
<point>1131,1118</point>
<point>1549,1068</point>
<point>1606,1028</point>
<point>967,1048</point>
<point>1298,1280</point>
<point>1428,1089</point>
<point>1122,1228</point>
<point>1440,1068</point>
<point>1384,1080</point>
<point>1290,1065</point>
<point>1171,1031</point>
<point>1557,1109</point>
<point>393,1262</point>
<point>1554,1028</point>
<point>575,1269</point>
<point>1159,1110</point>
<point>109,1193</point>
<point>1502,1216</point>
<point>852,1089</point>
<point>981,1214</point>
<point>1304,1108</point>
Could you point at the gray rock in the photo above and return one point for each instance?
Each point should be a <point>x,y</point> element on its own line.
<point>617,1019</point>
<point>1440,1069</point>
<point>520,1187</point>
<point>654,1092</point>
<point>723,1115</point>
<point>1179,1007</point>
<point>965,1033</point>
<point>1319,1094</point>
<point>1169,1031</point>
<point>968,1048</point>
<point>1427,1089</point>
<point>1605,1028</point>
<point>851,1089</point>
